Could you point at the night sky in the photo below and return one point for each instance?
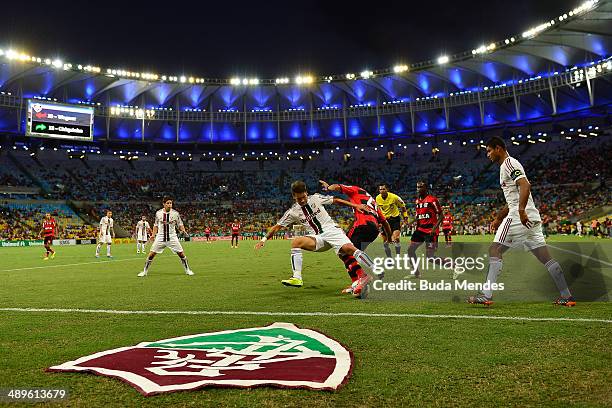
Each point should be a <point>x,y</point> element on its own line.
<point>263,39</point>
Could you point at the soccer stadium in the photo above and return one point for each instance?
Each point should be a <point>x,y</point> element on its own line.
<point>293,208</point>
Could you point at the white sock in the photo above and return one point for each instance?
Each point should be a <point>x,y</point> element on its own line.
<point>108,250</point>
<point>137,246</point>
<point>98,249</point>
<point>147,265</point>
<point>495,267</point>
<point>296,262</point>
<point>363,259</point>
<point>185,263</point>
<point>556,273</point>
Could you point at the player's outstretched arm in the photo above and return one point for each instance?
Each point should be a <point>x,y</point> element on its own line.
<point>524,191</point>
<point>273,230</point>
<point>362,208</point>
<point>327,187</point>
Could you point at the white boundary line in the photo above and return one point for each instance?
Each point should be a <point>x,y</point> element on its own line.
<point>582,255</point>
<point>73,264</point>
<point>308,314</point>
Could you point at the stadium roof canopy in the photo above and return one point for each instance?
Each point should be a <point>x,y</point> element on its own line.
<point>534,73</point>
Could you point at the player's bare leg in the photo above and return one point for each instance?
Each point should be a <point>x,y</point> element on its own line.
<point>412,248</point>
<point>556,273</point>
<point>183,259</point>
<point>396,241</point>
<point>147,264</point>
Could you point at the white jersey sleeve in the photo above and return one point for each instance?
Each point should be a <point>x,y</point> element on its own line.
<point>287,219</point>
<point>147,226</point>
<point>323,199</point>
<point>514,169</point>
<point>179,221</point>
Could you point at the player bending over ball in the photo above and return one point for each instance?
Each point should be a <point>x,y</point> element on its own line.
<point>167,220</point>
<point>365,228</point>
<point>518,224</point>
<point>309,211</point>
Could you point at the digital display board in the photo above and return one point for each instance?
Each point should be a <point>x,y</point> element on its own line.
<point>61,121</point>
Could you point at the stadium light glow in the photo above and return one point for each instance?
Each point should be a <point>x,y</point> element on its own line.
<point>366,74</point>
<point>443,59</point>
<point>400,68</point>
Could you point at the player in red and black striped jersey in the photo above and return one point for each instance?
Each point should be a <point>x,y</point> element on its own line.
<point>447,227</point>
<point>48,231</point>
<point>207,234</point>
<point>365,229</point>
<point>428,220</point>
<point>235,233</point>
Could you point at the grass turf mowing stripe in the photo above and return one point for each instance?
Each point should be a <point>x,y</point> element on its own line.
<point>316,314</point>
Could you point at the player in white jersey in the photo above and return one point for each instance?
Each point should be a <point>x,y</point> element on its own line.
<point>167,220</point>
<point>324,233</point>
<point>142,232</point>
<point>518,224</point>
<point>106,234</point>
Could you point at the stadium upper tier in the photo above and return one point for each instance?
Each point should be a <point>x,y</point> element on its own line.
<point>557,67</point>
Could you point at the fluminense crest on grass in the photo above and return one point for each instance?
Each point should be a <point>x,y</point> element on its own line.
<point>280,355</point>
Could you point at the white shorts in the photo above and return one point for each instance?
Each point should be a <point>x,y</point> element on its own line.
<point>513,234</point>
<point>142,237</point>
<point>159,245</point>
<point>105,239</point>
<point>333,238</point>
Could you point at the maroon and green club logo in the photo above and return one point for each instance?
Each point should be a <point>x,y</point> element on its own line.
<point>281,355</point>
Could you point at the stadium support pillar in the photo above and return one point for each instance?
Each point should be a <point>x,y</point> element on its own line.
<point>446,113</point>
<point>344,117</point>
<point>411,115</point>
<point>590,86</point>
<point>178,119</point>
<point>481,109</point>
<point>278,127</point>
<point>553,97</point>
<point>378,113</point>
<point>107,116</point>
<point>20,107</point>
<point>245,116</point>
<point>517,103</point>
<point>142,129</point>
<point>212,125</point>
<point>311,118</point>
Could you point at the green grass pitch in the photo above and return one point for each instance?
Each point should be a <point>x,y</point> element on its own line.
<point>399,361</point>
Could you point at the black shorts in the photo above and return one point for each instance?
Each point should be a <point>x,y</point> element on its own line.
<point>363,235</point>
<point>48,240</point>
<point>420,236</point>
<point>446,231</point>
<point>395,223</point>
<point>235,236</point>
<point>207,235</point>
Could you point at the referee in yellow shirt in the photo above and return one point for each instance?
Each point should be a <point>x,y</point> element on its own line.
<point>391,206</point>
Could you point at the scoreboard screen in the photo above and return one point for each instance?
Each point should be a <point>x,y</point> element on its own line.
<point>55,120</point>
